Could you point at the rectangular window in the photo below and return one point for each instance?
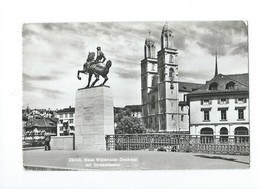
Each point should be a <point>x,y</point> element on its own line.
<point>61,128</point>
<point>240,100</point>
<point>61,115</point>
<point>223,115</point>
<point>71,114</point>
<point>240,113</point>
<point>61,121</point>
<point>71,120</point>
<point>223,101</point>
<point>205,102</point>
<point>66,115</point>
<point>182,117</point>
<point>206,115</point>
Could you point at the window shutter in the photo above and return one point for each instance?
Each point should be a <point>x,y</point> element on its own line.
<point>244,99</point>
<point>210,101</point>
<point>201,102</point>
<point>219,101</point>
<point>227,100</point>
<point>236,100</point>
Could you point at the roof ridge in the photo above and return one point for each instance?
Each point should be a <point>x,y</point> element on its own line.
<point>238,74</point>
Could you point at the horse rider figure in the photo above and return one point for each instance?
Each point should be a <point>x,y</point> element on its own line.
<point>100,57</point>
<point>99,68</point>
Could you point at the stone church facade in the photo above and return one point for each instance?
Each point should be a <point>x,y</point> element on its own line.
<point>164,105</point>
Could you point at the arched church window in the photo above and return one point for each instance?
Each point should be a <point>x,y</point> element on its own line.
<point>149,51</point>
<point>153,67</point>
<point>166,41</point>
<point>171,59</point>
<point>154,81</point>
<point>171,73</point>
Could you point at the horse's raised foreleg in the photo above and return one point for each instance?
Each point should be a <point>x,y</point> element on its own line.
<point>80,71</point>
<point>89,79</point>
<point>97,78</point>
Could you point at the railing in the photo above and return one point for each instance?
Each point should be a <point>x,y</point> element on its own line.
<point>228,144</point>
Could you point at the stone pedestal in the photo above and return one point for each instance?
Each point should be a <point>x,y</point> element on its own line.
<point>94,118</point>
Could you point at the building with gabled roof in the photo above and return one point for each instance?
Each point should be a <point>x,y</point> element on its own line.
<point>221,106</point>
<point>38,126</point>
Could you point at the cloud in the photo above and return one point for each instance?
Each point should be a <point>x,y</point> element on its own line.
<point>241,48</point>
<point>39,78</point>
<point>128,74</point>
<point>29,86</point>
<point>53,52</point>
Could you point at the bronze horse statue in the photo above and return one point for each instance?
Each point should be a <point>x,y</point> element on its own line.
<point>97,68</point>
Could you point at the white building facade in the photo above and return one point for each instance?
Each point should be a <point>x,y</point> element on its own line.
<point>66,123</point>
<point>221,106</point>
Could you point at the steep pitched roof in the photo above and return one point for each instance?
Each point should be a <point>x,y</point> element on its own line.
<point>42,122</point>
<point>242,78</point>
<point>188,87</point>
<point>241,82</point>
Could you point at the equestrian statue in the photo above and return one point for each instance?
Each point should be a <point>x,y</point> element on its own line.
<point>96,67</point>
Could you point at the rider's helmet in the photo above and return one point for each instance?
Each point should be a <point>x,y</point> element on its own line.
<point>98,48</point>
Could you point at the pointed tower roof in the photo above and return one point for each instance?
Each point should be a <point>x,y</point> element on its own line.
<point>216,66</point>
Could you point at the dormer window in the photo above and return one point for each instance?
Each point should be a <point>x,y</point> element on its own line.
<point>213,86</point>
<point>230,85</point>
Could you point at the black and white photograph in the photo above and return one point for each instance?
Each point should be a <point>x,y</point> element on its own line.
<point>129,94</point>
<point>136,95</point>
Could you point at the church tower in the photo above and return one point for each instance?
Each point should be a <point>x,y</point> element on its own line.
<point>168,101</point>
<point>148,73</point>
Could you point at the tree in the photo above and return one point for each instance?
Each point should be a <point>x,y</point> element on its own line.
<point>125,124</point>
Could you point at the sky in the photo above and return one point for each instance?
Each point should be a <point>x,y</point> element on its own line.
<point>54,52</point>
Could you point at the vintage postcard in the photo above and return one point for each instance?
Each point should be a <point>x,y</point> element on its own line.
<point>169,95</point>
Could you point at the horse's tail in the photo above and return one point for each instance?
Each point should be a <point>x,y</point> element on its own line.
<point>108,64</point>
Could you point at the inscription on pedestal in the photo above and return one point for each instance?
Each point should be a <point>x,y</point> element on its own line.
<point>88,113</point>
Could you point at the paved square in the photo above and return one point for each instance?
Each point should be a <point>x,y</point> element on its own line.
<point>129,160</point>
